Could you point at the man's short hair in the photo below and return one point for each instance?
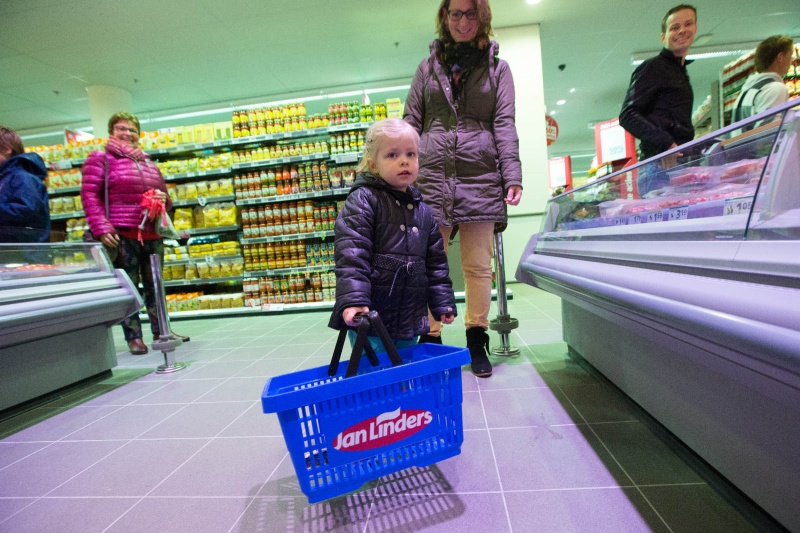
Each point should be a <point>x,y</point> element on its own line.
<point>675,10</point>
<point>768,49</point>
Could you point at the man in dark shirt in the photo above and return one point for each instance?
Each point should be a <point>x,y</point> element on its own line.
<point>658,106</point>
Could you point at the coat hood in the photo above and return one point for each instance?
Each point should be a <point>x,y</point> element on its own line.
<point>29,162</point>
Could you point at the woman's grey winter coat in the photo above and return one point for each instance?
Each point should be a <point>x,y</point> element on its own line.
<point>469,149</point>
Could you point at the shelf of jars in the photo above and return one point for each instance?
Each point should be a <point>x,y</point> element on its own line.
<point>288,257</point>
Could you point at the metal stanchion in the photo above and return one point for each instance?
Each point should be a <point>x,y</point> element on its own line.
<point>503,324</point>
<point>166,343</point>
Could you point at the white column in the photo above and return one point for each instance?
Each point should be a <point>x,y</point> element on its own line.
<point>521,47</point>
<point>104,101</point>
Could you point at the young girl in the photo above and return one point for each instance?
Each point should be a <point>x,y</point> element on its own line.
<point>389,252</point>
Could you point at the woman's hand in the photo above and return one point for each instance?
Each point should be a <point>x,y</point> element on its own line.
<point>158,194</point>
<point>514,195</point>
<point>110,240</point>
<point>448,318</point>
<point>349,315</point>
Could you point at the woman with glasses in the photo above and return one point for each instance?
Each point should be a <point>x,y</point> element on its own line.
<point>130,174</point>
<point>462,104</point>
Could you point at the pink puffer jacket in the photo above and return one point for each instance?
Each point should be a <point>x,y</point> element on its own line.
<point>130,175</point>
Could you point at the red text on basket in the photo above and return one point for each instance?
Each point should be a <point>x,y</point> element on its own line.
<point>384,429</point>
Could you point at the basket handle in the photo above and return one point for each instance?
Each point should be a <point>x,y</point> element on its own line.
<point>362,344</point>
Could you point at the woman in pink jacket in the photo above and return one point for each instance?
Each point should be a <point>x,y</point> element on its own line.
<point>130,174</point>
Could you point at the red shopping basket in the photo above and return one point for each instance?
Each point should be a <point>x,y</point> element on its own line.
<point>344,427</point>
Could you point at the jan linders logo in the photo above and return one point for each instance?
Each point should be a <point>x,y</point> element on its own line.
<point>386,428</point>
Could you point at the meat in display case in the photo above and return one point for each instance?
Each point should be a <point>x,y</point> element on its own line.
<point>680,282</point>
<point>58,303</point>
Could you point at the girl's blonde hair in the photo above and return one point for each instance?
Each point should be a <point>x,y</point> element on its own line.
<point>392,128</point>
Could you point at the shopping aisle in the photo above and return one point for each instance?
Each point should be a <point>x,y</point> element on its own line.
<point>548,446</point>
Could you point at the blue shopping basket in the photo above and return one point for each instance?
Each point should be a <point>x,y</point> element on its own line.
<point>344,431</point>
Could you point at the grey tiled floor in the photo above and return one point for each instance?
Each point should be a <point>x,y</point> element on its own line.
<point>549,446</point>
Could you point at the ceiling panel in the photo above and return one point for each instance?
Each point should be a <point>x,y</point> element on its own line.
<point>194,53</point>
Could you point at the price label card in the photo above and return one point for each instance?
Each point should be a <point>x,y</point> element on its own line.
<point>738,206</point>
<point>679,213</point>
<point>619,221</point>
<point>201,200</point>
<point>634,219</point>
<point>272,307</point>
<point>209,259</point>
<point>655,216</point>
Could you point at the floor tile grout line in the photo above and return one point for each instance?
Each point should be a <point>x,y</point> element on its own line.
<point>210,440</point>
<point>253,498</point>
<point>613,457</point>
<point>494,458</point>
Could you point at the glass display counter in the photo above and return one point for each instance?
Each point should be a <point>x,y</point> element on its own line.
<point>680,282</point>
<point>58,303</point>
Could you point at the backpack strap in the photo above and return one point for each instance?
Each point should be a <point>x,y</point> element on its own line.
<point>747,100</point>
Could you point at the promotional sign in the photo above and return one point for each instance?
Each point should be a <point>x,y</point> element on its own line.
<point>77,136</point>
<point>552,129</point>
<point>560,172</point>
<point>613,144</point>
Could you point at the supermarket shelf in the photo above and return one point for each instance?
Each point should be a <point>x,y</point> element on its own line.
<point>279,308</point>
<point>203,200</point>
<point>209,231</point>
<point>207,259</point>
<point>293,197</point>
<point>201,281</point>
<point>281,161</point>
<point>64,190</point>
<point>71,214</point>
<point>292,237</point>
<point>349,157</point>
<point>197,174</point>
<point>250,274</point>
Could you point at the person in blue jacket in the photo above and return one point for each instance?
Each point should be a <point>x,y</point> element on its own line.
<point>24,205</point>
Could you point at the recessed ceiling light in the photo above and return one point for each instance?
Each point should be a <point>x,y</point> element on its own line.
<point>572,90</point>
<point>552,113</point>
<point>561,102</point>
<point>532,2</point>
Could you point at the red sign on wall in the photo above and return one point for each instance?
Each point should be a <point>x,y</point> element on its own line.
<point>552,129</point>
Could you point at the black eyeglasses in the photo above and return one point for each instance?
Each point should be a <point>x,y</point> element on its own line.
<point>456,15</point>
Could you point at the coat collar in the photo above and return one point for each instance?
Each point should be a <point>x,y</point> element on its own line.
<point>368,179</point>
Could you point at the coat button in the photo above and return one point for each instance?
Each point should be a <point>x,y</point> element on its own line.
<point>410,206</point>
<point>402,227</point>
<point>414,230</point>
<point>397,202</point>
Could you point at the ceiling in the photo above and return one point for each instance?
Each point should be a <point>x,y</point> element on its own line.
<point>192,54</point>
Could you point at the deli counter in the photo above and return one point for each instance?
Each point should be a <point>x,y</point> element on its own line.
<point>58,303</point>
<point>680,282</point>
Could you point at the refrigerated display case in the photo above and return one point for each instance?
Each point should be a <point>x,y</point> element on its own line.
<point>58,303</point>
<point>680,282</point>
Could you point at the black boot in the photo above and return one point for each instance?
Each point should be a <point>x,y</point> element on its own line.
<point>429,339</point>
<point>478,344</point>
